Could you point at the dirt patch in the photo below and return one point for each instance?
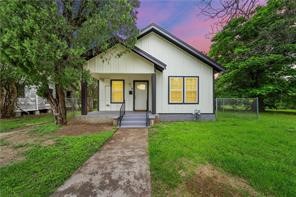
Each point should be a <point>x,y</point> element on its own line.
<point>20,138</point>
<point>79,128</point>
<point>209,181</point>
<point>48,142</point>
<point>17,142</point>
<point>9,154</point>
<point>15,131</point>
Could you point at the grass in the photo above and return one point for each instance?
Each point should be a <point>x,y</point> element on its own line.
<point>3,142</point>
<point>47,167</point>
<point>262,151</point>
<point>284,111</point>
<point>9,124</point>
<point>45,128</point>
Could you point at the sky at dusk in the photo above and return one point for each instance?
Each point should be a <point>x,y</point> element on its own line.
<point>180,17</point>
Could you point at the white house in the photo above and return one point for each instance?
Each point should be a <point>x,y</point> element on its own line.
<point>161,74</point>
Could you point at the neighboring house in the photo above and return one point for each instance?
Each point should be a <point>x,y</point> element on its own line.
<point>28,102</point>
<point>161,74</point>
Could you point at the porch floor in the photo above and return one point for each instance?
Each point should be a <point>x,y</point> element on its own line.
<point>131,119</point>
<point>115,113</point>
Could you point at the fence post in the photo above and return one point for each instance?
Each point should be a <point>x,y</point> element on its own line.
<point>216,108</point>
<point>257,104</point>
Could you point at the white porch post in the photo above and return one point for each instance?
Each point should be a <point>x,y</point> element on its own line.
<point>98,95</point>
<point>153,85</point>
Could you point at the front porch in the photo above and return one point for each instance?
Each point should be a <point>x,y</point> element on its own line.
<point>126,81</point>
<point>130,119</point>
<point>136,91</point>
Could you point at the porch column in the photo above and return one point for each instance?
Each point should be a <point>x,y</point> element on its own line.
<point>153,85</point>
<point>83,97</point>
<point>98,96</point>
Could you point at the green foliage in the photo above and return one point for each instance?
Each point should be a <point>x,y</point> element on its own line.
<point>47,167</point>
<point>262,151</point>
<point>259,54</point>
<point>48,40</point>
<point>11,74</point>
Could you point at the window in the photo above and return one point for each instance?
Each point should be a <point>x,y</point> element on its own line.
<point>190,89</point>
<point>117,91</point>
<point>176,89</point>
<point>68,94</point>
<point>21,90</point>
<point>183,90</point>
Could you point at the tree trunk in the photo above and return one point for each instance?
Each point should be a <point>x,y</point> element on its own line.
<point>58,105</point>
<point>8,98</point>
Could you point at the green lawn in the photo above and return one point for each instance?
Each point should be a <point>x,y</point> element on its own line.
<point>8,124</point>
<point>13,123</point>
<point>47,167</point>
<point>262,151</point>
<point>283,111</point>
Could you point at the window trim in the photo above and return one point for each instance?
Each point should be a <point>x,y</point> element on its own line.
<point>111,101</point>
<point>169,89</point>
<point>182,103</point>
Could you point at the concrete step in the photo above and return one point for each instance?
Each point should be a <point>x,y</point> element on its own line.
<point>133,118</point>
<point>133,126</point>
<point>131,122</point>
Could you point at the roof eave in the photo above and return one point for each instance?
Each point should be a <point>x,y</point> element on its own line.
<point>158,30</point>
<point>159,65</point>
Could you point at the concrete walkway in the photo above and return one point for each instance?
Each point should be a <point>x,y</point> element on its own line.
<point>120,168</point>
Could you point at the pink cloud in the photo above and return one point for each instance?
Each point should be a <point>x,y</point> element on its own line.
<point>200,43</point>
<point>181,19</point>
<point>195,31</point>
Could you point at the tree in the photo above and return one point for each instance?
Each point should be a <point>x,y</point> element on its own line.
<point>47,40</point>
<point>10,79</point>
<point>259,54</point>
<point>226,10</point>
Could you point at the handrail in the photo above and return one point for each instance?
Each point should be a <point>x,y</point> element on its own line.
<point>147,118</point>
<point>121,113</point>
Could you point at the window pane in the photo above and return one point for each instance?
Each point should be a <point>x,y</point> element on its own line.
<point>191,90</point>
<point>117,91</point>
<point>176,89</point>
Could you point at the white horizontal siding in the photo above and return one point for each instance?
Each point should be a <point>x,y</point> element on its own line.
<point>179,63</point>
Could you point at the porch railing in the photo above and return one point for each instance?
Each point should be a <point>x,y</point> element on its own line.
<point>121,113</point>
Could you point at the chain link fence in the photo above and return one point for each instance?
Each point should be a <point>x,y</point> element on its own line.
<point>246,107</point>
<point>73,106</point>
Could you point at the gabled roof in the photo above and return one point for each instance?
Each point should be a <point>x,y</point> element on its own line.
<point>181,44</point>
<point>159,65</point>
